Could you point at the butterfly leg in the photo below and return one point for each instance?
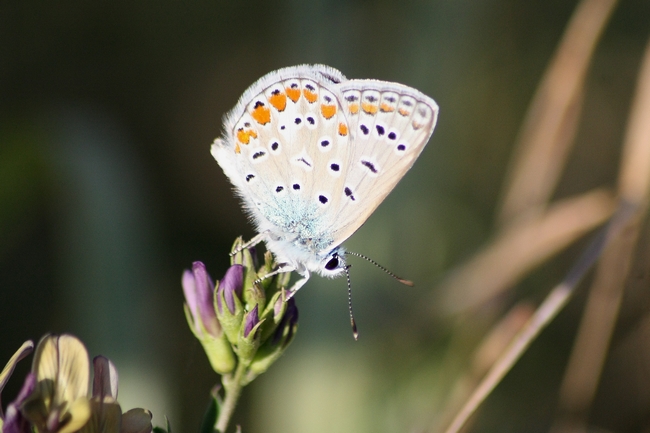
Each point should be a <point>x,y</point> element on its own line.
<point>256,240</point>
<point>281,269</point>
<point>285,267</point>
<point>298,284</point>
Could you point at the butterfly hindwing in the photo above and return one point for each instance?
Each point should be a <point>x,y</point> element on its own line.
<point>389,126</point>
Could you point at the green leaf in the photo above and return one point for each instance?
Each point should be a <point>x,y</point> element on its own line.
<point>210,417</point>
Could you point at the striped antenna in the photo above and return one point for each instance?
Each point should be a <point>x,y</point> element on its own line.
<point>355,332</point>
<point>401,280</point>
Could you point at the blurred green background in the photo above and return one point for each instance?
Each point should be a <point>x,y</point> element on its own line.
<point>108,191</point>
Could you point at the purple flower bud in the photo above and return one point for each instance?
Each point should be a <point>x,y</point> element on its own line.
<point>104,378</point>
<point>252,319</point>
<point>253,253</point>
<point>289,320</point>
<point>231,285</point>
<point>198,288</point>
<point>14,421</point>
<point>189,290</point>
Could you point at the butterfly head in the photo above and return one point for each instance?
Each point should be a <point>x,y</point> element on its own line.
<point>333,265</point>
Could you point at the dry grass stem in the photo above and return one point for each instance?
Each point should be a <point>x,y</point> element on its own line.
<point>634,180</point>
<point>521,247</point>
<point>551,306</point>
<point>589,352</point>
<point>547,133</point>
<point>544,314</point>
<point>492,346</point>
<point>601,312</point>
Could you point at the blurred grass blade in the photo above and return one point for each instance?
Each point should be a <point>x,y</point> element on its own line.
<point>634,180</point>
<point>550,124</point>
<point>601,312</point>
<point>521,247</point>
<point>489,350</point>
<point>546,312</point>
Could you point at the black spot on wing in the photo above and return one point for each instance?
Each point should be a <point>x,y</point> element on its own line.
<point>348,193</point>
<point>369,165</point>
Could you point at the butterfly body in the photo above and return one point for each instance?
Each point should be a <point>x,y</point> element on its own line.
<point>312,154</point>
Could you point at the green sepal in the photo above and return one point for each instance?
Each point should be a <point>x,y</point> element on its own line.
<point>220,354</point>
<point>218,349</point>
<point>230,322</point>
<point>272,319</point>
<point>283,279</point>
<point>253,293</point>
<point>237,258</point>
<point>264,270</point>
<point>268,353</point>
<point>247,346</point>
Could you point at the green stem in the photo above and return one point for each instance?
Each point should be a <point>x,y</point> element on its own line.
<point>232,385</point>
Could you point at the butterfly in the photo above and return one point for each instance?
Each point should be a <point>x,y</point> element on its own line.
<point>312,154</point>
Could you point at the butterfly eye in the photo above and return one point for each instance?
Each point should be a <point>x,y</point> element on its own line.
<point>332,264</point>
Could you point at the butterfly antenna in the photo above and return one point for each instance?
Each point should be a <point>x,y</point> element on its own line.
<point>401,280</point>
<point>355,333</point>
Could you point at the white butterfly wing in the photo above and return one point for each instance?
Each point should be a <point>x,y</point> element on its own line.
<point>285,147</point>
<point>312,154</point>
<point>390,124</point>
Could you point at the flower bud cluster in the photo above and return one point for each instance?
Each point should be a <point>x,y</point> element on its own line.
<point>243,319</point>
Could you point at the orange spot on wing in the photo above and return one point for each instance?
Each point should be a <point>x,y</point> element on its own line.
<point>244,136</point>
<point>293,94</point>
<point>404,112</point>
<point>310,96</point>
<point>261,113</point>
<point>343,129</point>
<point>328,111</point>
<point>417,125</point>
<point>354,108</point>
<point>237,148</point>
<point>369,108</point>
<point>279,101</point>
<point>385,108</point>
